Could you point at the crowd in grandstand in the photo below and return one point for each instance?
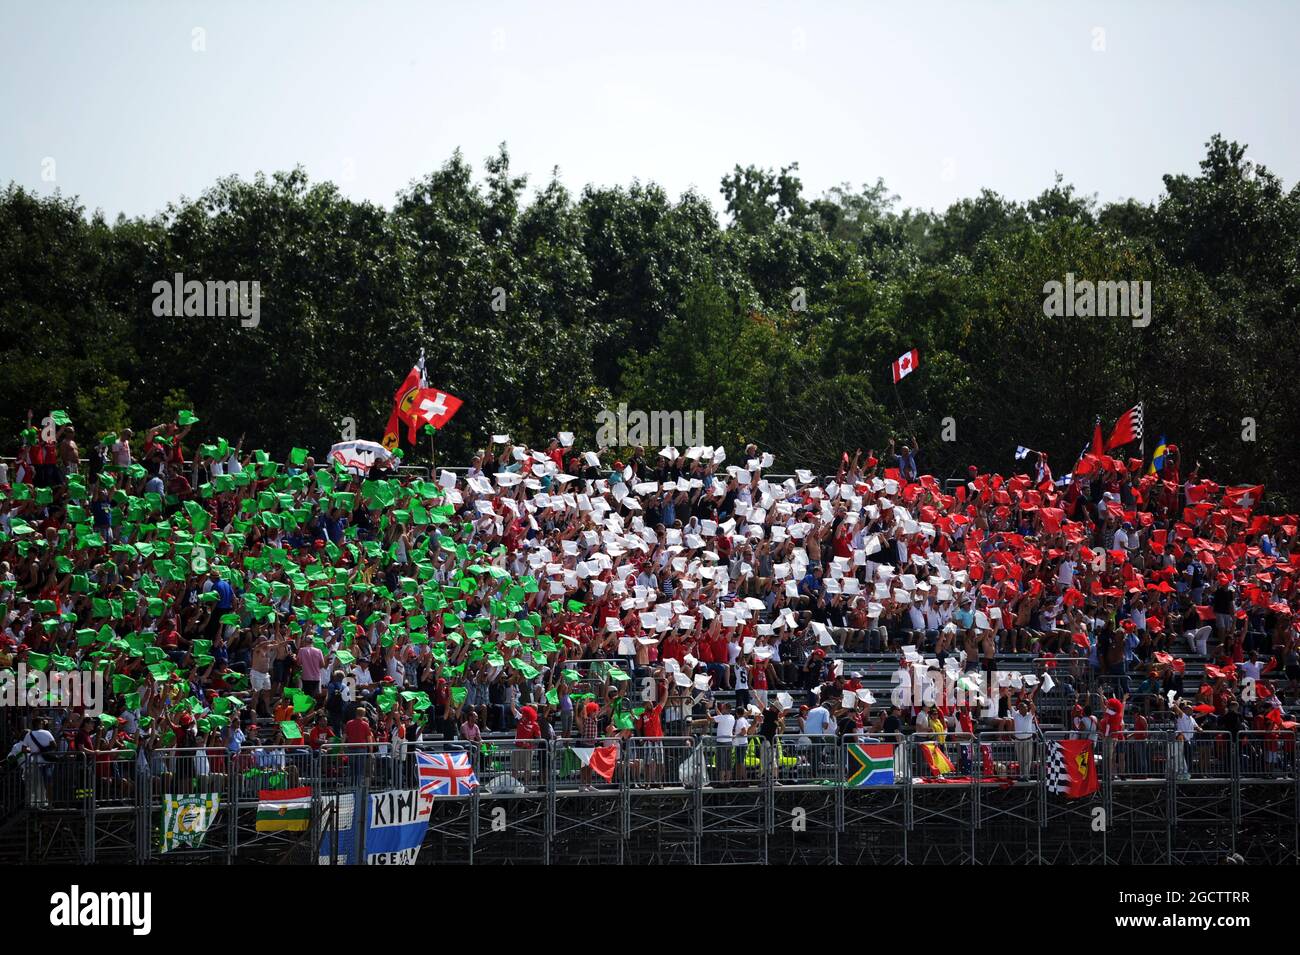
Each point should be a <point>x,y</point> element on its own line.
<point>229,600</point>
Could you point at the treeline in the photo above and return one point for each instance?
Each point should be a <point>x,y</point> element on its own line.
<point>778,323</point>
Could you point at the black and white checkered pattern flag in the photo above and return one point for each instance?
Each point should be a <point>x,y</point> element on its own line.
<point>1058,778</point>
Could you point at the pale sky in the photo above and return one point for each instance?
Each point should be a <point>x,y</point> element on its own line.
<point>940,99</point>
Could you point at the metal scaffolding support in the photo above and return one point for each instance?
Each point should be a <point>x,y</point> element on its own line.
<point>796,800</point>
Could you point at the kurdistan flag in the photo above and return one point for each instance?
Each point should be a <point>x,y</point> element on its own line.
<point>284,810</point>
<point>186,819</point>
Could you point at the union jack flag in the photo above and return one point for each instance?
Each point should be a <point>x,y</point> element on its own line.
<point>445,774</point>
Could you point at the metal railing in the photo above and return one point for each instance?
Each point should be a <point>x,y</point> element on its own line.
<point>82,780</point>
<point>630,778</point>
<point>513,767</point>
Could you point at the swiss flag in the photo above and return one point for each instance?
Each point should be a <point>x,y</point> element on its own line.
<point>905,365</point>
<point>434,407</point>
<point>1246,497</point>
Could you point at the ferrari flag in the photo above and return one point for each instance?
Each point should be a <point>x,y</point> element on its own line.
<point>1071,771</point>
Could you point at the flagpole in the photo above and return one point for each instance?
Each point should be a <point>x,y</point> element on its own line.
<point>1142,445</point>
<point>901,410</point>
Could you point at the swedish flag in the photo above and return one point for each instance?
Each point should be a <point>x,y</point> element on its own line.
<point>1157,458</point>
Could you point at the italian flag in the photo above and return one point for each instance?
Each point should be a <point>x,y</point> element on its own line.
<point>284,810</point>
<point>602,760</point>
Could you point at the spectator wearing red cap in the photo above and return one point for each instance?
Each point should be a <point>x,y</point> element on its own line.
<point>588,738</point>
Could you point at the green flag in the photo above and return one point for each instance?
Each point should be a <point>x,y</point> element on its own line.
<point>186,820</point>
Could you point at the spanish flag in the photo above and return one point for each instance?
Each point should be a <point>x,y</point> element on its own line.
<point>936,759</point>
<point>1158,457</point>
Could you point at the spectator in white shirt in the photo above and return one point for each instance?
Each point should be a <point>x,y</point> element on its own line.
<point>1024,720</point>
<point>1185,728</point>
<point>1251,668</point>
<point>724,724</point>
<point>1126,539</point>
<point>1065,573</point>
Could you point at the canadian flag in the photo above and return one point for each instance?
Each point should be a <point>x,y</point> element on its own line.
<point>905,365</point>
<point>435,407</point>
<point>1246,497</point>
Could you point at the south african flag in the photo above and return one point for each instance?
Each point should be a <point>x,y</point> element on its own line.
<point>871,764</point>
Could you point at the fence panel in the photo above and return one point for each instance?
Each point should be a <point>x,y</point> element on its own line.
<point>510,767</point>
<point>337,767</point>
<point>653,763</point>
<point>49,781</point>
<point>1136,756</point>
<point>1266,755</point>
<point>938,756</point>
<point>1208,755</point>
<point>801,760</point>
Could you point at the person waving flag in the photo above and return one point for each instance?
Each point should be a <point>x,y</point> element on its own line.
<point>1158,457</point>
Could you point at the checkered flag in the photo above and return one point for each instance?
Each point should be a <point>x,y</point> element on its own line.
<point>1058,777</point>
<point>1129,427</point>
<point>1071,768</point>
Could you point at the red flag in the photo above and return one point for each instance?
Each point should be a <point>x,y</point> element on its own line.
<point>1127,428</point>
<point>1246,497</point>
<point>1098,442</point>
<point>392,432</point>
<point>1052,518</point>
<point>1074,772</point>
<point>905,365</point>
<point>403,402</point>
<point>603,760</point>
<point>1275,717</point>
